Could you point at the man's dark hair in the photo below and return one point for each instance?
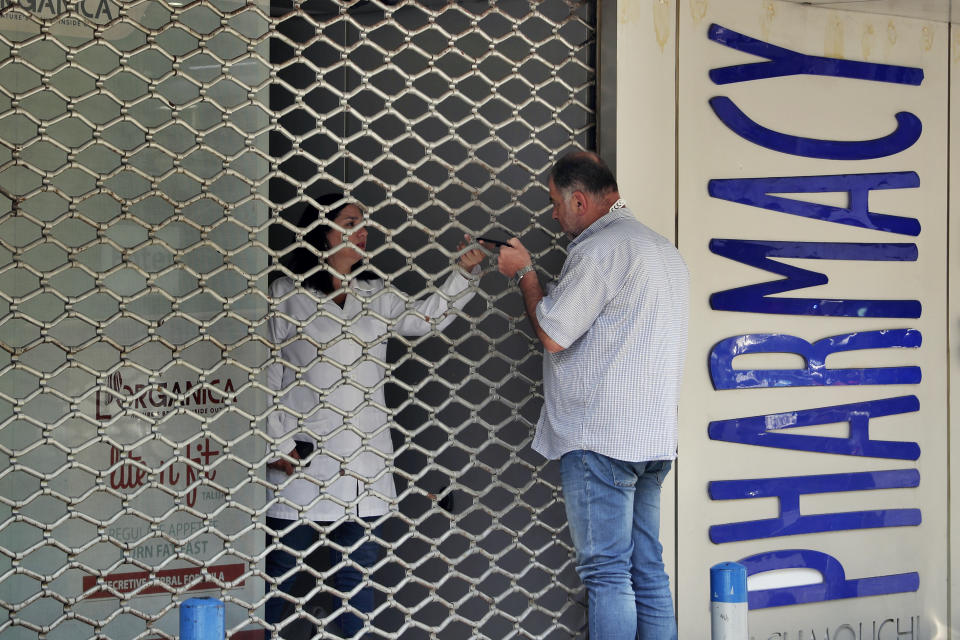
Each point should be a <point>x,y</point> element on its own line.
<point>583,171</point>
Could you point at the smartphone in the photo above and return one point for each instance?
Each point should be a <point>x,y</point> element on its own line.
<point>499,243</point>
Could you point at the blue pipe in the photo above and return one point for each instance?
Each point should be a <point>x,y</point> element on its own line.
<point>202,619</point>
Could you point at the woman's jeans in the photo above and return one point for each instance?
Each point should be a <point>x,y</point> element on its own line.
<point>303,537</point>
<point>613,508</point>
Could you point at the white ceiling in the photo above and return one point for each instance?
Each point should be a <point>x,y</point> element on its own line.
<point>939,10</point>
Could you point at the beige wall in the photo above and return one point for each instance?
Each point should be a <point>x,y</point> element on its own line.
<point>645,152</point>
<point>646,111</point>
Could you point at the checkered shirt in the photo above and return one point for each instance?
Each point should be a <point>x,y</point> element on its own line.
<point>620,310</point>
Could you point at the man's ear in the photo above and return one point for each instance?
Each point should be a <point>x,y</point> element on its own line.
<point>581,199</point>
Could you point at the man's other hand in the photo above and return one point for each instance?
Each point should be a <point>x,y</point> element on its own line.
<point>512,258</point>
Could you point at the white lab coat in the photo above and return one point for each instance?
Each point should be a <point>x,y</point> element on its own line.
<point>338,402</point>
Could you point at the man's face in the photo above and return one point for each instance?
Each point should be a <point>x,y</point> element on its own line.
<point>564,211</point>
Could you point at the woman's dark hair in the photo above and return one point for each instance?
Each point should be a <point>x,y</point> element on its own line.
<point>303,259</point>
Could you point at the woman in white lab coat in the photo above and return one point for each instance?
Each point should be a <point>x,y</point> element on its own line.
<point>331,428</point>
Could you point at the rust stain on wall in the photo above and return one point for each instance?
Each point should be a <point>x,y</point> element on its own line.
<point>662,19</point>
<point>634,13</point>
<point>890,40</point>
<point>767,16</point>
<point>698,10</point>
<point>868,40</point>
<point>833,39</point>
<point>630,13</point>
<point>926,38</point>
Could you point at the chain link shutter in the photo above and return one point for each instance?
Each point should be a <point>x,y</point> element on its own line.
<point>149,152</point>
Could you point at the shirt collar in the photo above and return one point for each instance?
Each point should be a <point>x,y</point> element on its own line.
<point>618,211</point>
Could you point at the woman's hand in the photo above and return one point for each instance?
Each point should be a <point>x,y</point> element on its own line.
<point>285,465</point>
<point>471,258</point>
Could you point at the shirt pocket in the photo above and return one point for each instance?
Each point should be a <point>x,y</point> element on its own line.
<point>568,387</point>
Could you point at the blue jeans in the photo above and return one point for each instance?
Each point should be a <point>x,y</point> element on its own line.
<point>613,508</point>
<point>303,537</point>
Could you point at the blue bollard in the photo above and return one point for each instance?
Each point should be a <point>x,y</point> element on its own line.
<point>201,619</point>
<point>728,601</point>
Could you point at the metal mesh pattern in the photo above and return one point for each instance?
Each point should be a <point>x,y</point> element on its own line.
<point>155,162</point>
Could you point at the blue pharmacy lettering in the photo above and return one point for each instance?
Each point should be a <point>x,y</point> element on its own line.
<point>758,253</point>
<point>755,192</point>
<point>903,137</point>
<point>791,522</point>
<point>784,62</point>
<point>766,430</point>
<point>815,371</point>
<point>835,585</point>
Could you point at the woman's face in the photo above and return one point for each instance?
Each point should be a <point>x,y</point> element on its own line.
<point>350,219</point>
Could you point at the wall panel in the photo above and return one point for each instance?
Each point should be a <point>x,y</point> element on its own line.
<point>953,317</point>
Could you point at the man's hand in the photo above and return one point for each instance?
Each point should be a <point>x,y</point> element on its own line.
<point>285,465</point>
<point>512,258</point>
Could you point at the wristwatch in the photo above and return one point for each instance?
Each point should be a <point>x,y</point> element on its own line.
<point>522,271</point>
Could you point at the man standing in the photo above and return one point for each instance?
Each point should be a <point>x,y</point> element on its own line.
<point>615,336</point>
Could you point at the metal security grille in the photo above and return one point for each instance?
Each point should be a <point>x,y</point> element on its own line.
<point>156,158</point>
